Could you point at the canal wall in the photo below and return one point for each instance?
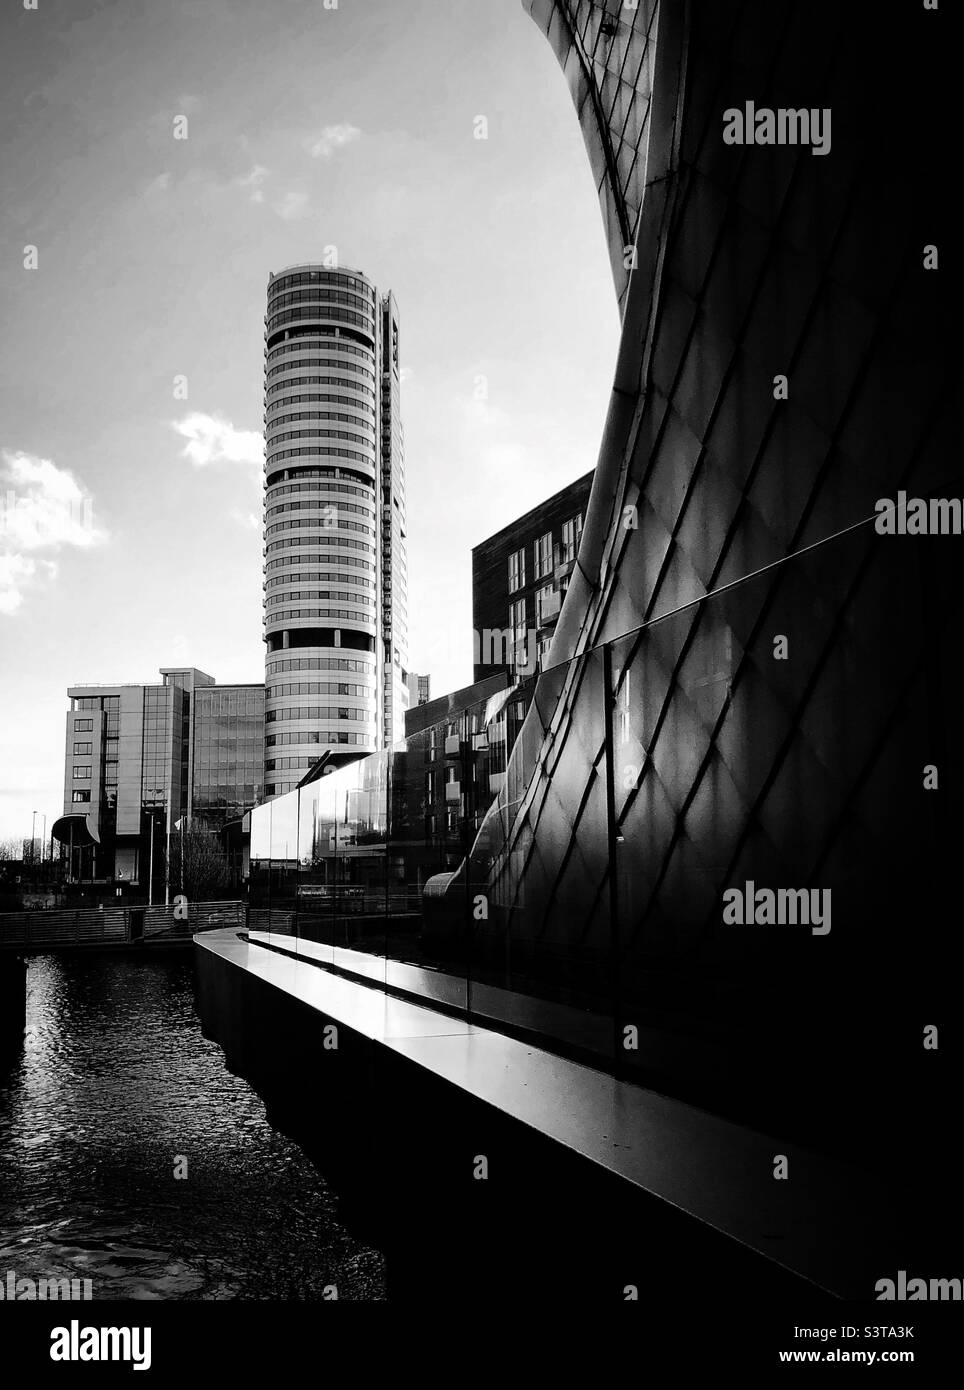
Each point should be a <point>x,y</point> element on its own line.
<point>13,1008</point>
<point>468,1203</point>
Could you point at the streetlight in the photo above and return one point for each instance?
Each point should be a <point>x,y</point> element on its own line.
<point>150,871</point>
<point>33,839</point>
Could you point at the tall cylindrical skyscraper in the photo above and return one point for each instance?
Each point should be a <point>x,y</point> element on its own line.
<point>335,567</point>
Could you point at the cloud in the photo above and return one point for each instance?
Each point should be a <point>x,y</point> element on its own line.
<point>160,184</point>
<point>212,439</point>
<point>253,181</point>
<point>292,206</point>
<point>331,138</point>
<point>247,519</point>
<point>15,572</point>
<point>42,509</point>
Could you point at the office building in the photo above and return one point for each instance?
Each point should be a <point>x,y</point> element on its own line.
<point>335,585</point>
<point>519,579</point>
<point>141,758</point>
<point>419,691</point>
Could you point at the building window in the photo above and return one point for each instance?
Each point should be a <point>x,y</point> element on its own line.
<point>82,772</point>
<point>81,796</point>
<point>517,570</point>
<point>542,553</point>
<point>517,626</point>
<point>543,597</point>
<point>80,749</point>
<point>571,533</point>
<point>83,726</point>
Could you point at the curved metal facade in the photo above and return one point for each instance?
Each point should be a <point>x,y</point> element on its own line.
<point>730,511</point>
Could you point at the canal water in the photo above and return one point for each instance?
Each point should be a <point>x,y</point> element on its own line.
<point>115,1091</point>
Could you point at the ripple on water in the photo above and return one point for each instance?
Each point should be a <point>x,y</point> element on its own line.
<point>114,1082</point>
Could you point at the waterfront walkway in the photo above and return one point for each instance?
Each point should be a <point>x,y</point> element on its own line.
<point>820,1223</point>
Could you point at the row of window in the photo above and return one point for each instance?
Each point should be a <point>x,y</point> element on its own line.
<point>315,453</point>
<point>81,795</point>
<point>326,489</point>
<point>337,562</point>
<point>318,663</point>
<point>276,321</point>
<point>322,540</point>
<point>321,577</point>
<point>101,702</point>
<point>315,712</point>
<point>296,613</point>
<point>324,416</point>
<point>319,433</point>
<point>317,688</point>
<point>314,736</point>
<point>318,292</point>
<point>308,331</point>
<point>346,385</point>
<point>320,398</point>
<point>324,344</point>
<point>315,523</point>
<point>83,748</point>
<point>542,554</point>
<point>320,505</point>
<point>517,610</point>
<point>340,476</point>
<point>82,772</point>
<point>83,726</point>
<point>321,277</point>
<point>327,737</point>
<point>312,595</point>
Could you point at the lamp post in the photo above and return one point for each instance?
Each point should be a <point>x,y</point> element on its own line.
<point>150,871</point>
<point>167,849</point>
<point>33,840</point>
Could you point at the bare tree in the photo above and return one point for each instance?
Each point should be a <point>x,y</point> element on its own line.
<point>206,873</point>
<point>11,851</point>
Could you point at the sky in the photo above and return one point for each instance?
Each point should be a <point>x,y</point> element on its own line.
<point>131,358</point>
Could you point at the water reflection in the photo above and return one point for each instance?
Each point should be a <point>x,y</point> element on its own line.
<point>115,1085</point>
